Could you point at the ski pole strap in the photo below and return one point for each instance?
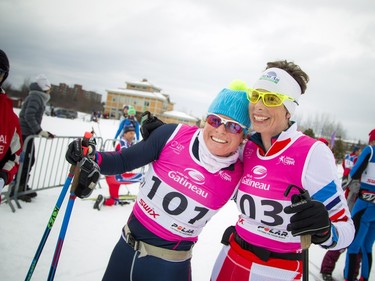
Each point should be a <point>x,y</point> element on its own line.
<point>148,249</point>
<point>88,176</point>
<point>263,253</point>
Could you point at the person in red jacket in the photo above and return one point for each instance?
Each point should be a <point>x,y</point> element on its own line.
<point>10,131</point>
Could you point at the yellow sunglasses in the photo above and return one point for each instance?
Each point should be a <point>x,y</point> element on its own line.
<point>269,99</point>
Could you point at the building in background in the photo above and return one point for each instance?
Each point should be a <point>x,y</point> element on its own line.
<point>145,96</point>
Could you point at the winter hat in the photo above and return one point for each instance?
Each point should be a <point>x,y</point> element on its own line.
<point>279,81</point>
<point>129,129</point>
<point>372,136</point>
<point>233,104</point>
<point>323,140</point>
<point>355,149</point>
<point>43,82</point>
<point>4,65</point>
<point>131,111</point>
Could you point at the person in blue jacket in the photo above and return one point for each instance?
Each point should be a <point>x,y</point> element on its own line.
<point>363,213</point>
<point>129,121</point>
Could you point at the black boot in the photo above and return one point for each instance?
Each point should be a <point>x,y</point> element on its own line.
<point>99,202</point>
<point>31,194</point>
<point>25,198</point>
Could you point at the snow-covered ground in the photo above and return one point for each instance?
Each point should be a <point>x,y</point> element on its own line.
<point>92,234</point>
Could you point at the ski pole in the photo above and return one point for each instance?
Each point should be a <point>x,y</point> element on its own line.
<point>68,211</point>
<point>305,239</point>
<point>61,238</point>
<point>50,223</point>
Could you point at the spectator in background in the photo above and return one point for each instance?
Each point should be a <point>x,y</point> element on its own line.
<point>130,120</point>
<point>94,116</point>
<point>125,109</point>
<point>349,160</point>
<point>323,140</point>
<point>114,182</point>
<point>332,256</point>
<point>351,188</point>
<point>363,213</point>
<point>30,119</point>
<point>10,131</point>
<point>52,110</point>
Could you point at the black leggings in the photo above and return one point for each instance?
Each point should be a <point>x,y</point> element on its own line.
<point>125,265</point>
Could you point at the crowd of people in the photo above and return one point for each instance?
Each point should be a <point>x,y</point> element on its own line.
<point>284,183</point>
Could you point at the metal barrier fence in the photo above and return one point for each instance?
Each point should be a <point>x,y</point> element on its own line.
<point>50,169</point>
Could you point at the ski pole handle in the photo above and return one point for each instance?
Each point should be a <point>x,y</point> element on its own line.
<point>303,195</point>
<point>85,152</point>
<point>305,241</point>
<point>86,143</point>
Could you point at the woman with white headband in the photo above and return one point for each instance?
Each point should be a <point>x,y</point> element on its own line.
<point>289,189</point>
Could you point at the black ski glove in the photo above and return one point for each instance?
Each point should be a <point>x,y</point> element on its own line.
<point>310,217</point>
<point>148,124</point>
<point>76,151</point>
<point>88,177</point>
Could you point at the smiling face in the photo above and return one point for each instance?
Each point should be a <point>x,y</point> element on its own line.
<point>269,121</point>
<point>219,141</point>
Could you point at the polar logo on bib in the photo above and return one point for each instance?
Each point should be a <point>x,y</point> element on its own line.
<point>259,172</point>
<point>195,176</point>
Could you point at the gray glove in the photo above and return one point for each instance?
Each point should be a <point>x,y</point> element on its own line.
<point>46,134</point>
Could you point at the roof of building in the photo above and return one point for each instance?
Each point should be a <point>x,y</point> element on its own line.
<point>144,82</point>
<point>154,95</point>
<point>179,114</point>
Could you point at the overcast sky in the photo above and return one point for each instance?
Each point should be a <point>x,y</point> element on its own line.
<point>193,49</point>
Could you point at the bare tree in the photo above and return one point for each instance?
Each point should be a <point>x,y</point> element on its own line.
<point>322,124</point>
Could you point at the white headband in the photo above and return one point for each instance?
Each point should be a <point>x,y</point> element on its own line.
<point>279,81</point>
